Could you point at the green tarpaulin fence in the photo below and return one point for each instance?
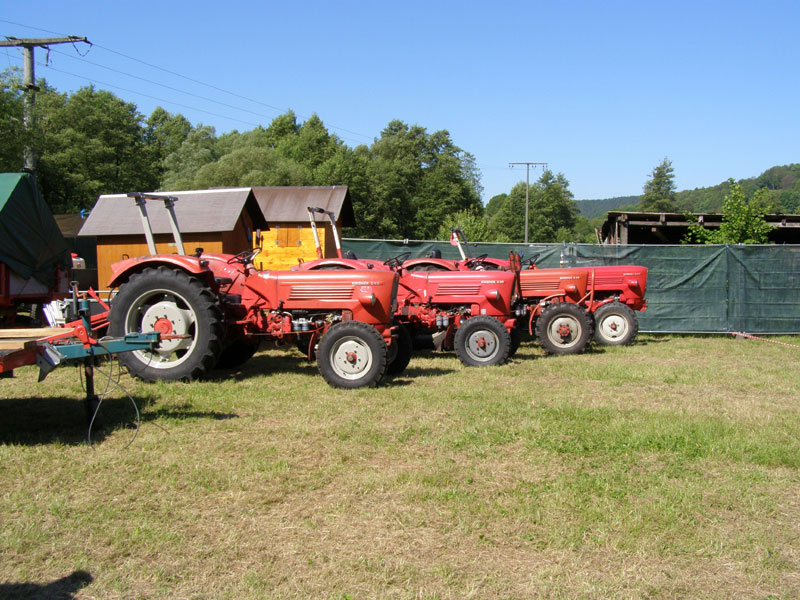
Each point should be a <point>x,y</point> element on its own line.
<point>690,289</point>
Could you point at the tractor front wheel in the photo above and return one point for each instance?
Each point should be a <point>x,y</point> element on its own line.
<point>482,341</point>
<point>352,354</point>
<point>180,307</point>
<point>563,328</point>
<point>615,324</point>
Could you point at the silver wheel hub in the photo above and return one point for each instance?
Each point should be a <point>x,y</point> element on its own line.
<point>613,327</point>
<point>351,358</point>
<point>160,310</point>
<point>564,331</point>
<point>482,344</point>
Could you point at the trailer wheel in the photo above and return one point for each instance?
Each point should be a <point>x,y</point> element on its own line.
<point>615,324</point>
<point>400,352</point>
<point>563,328</point>
<point>174,303</point>
<point>482,341</point>
<point>352,354</point>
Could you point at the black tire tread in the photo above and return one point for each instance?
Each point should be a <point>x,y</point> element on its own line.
<point>554,310</point>
<point>627,311</point>
<point>468,327</point>
<point>206,307</point>
<point>371,336</point>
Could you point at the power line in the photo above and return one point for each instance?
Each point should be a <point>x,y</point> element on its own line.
<point>164,100</point>
<point>219,89</point>
<point>197,81</point>
<point>165,86</point>
<point>91,80</point>
<point>28,45</point>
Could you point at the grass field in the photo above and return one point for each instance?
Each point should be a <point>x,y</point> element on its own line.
<point>667,469</point>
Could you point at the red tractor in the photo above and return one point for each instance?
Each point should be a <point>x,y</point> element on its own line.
<point>548,298</point>
<point>214,309</point>
<point>469,312</point>
<point>610,294</point>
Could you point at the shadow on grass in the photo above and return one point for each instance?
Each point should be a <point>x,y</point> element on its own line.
<point>412,371</point>
<point>62,420</point>
<point>64,588</point>
<point>265,364</point>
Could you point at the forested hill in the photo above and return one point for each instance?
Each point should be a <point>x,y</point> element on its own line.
<point>598,208</point>
<point>782,184</point>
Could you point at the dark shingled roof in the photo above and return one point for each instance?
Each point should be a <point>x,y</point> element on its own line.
<point>196,211</point>
<point>288,204</point>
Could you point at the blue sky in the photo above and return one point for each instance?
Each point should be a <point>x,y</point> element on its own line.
<point>601,91</point>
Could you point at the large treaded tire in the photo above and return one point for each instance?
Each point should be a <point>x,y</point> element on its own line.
<point>159,298</point>
<point>352,354</point>
<point>482,341</point>
<point>615,324</point>
<point>563,328</point>
<point>400,355</point>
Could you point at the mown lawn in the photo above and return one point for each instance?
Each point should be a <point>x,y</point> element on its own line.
<point>668,469</point>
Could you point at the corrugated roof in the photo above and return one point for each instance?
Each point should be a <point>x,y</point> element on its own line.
<point>196,211</point>
<point>286,204</point>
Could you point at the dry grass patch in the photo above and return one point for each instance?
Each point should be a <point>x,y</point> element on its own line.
<point>668,469</point>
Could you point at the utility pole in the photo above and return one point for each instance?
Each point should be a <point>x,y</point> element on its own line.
<point>528,166</point>
<point>29,158</point>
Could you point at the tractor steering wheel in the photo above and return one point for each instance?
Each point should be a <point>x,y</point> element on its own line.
<point>531,262</point>
<point>477,262</point>
<point>244,257</point>
<point>397,261</point>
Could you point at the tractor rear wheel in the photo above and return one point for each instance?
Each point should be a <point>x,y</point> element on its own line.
<point>400,352</point>
<point>173,303</point>
<point>352,354</point>
<point>482,341</point>
<point>563,328</point>
<point>615,324</point>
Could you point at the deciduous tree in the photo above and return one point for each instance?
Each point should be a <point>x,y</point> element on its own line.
<point>742,221</point>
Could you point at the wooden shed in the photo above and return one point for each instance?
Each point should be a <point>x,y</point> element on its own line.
<point>290,237</point>
<point>218,220</point>
<point>624,227</point>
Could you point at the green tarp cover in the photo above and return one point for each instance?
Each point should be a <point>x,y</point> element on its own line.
<point>31,244</point>
<point>690,289</point>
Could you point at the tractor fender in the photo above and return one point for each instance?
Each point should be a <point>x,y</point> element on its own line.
<point>121,271</point>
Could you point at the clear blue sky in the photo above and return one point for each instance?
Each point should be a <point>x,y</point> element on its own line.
<point>601,91</point>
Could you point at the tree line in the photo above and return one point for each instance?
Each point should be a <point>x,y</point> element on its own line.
<point>408,183</point>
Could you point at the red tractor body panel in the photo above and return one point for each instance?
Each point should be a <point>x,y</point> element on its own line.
<point>491,292</point>
<point>367,295</point>
<point>538,284</point>
<point>626,283</point>
<point>122,270</point>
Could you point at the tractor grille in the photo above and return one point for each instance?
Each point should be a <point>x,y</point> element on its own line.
<point>459,289</point>
<point>530,286</point>
<point>321,292</point>
<point>606,280</point>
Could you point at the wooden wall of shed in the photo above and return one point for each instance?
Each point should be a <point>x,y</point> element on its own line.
<point>284,244</point>
<point>111,249</point>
